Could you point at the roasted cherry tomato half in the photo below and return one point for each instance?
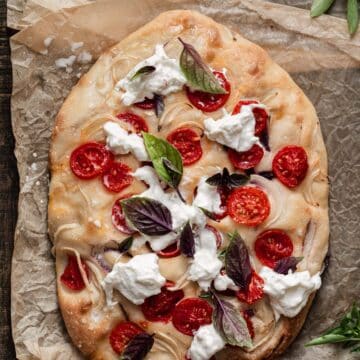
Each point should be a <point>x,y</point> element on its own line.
<point>273,245</point>
<point>90,160</point>
<point>118,217</point>
<point>122,333</point>
<point>117,177</point>
<point>170,251</point>
<point>247,159</point>
<point>71,277</point>
<point>147,104</point>
<point>187,142</point>
<point>248,206</point>
<point>290,165</point>
<point>210,102</point>
<point>261,116</point>
<point>254,292</point>
<point>191,313</point>
<point>136,121</point>
<point>160,307</point>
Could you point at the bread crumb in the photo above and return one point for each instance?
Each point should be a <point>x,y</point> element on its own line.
<point>84,57</point>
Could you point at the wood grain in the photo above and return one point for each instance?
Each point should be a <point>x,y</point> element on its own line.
<point>9,176</point>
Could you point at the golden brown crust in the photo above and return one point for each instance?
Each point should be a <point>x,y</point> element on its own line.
<point>72,210</point>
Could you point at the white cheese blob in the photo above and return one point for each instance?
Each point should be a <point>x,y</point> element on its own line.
<point>205,266</point>
<point>222,282</point>
<point>137,279</point>
<point>180,212</point>
<point>289,293</point>
<point>207,197</point>
<point>235,131</point>
<point>206,343</point>
<point>121,142</point>
<point>166,79</point>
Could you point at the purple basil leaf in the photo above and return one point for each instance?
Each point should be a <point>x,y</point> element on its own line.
<point>230,324</point>
<point>226,180</point>
<point>143,71</point>
<point>283,265</point>
<point>209,214</point>
<point>159,105</point>
<point>138,347</point>
<point>125,245</point>
<point>236,180</point>
<point>187,241</point>
<point>267,174</point>
<point>215,180</point>
<point>148,216</point>
<point>198,75</point>
<point>264,139</point>
<point>237,261</point>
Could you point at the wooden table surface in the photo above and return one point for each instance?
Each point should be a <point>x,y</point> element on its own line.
<point>9,186</point>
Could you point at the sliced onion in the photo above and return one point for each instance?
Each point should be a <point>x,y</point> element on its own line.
<point>165,343</point>
<point>275,195</point>
<point>310,178</point>
<point>98,254</point>
<point>309,237</point>
<point>94,127</point>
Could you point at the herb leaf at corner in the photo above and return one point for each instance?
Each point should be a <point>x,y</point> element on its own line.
<point>197,73</point>
<point>148,216</point>
<point>347,332</point>
<point>187,241</point>
<point>138,347</point>
<point>169,171</point>
<point>226,180</point>
<point>237,261</point>
<point>143,71</point>
<point>159,105</point>
<point>230,324</point>
<point>126,244</point>
<point>284,265</point>
<point>352,15</point>
<point>319,7</point>
<point>209,214</point>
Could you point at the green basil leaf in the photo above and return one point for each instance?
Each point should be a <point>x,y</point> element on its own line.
<point>126,244</point>
<point>148,216</point>
<point>187,241</point>
<point>158,149</point>
<point>319,7</point>
<point>143,71</point>
<point>138,347</point>
<point>237,261</point>
<point>197,73</point>
<point>352,15</point>
<point>230,324</point>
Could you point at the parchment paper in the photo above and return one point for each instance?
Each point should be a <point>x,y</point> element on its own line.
<point>322,60</point>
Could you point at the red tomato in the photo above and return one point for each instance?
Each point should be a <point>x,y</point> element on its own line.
<point>247,317</point>
<point>122,333</point>
<point>170,251</point>
<point>71,277</point>
<point>117,177</point>
<point>147,104</point>
<point>247,159</point>
<point>290,165</point>
<point>161,306</point>
<point>273,245</point>
<point>248,206</point>
<point>261,116</point>
<point>210,102</point>
<point>216,233</point>
<point>254,292</point>
<point>187,142</point>
<point>118,217</point>
<point>191,313</point>
<point>136,121</point>
<point>90,160</point>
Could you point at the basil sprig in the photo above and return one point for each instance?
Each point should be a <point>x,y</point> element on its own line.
<point>319,7</point>
<point>166,159</point>
<point>347,332</point>
<point>143,71</point>
<point>198,75</point>
<point>237,261</point>
<point>148,216</point>
<point>138,347</point>
<point>229,323</point>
